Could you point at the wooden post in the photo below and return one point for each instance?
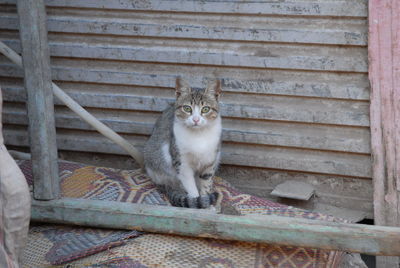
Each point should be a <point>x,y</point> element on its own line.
<point>37,76</point>
<point>384,72</point>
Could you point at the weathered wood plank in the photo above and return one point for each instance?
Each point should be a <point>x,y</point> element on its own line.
<point>198,26</point>
<point>278,82</point>
<point>346,139</point>
<point>266,229</point>
<point>356,165</point>
<point>269,56</point>
<point>297,159</point>
<point>240,106</point>
<point>293,7</point>
<point>345,59</point>
<point>297,135</point>
<point>220,27</point>
<point>37,76</point>
<point>318,8</point>
<point>74,140</point>
<point>385,113</point>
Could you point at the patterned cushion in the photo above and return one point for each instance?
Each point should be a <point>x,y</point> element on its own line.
<point>56,244</point>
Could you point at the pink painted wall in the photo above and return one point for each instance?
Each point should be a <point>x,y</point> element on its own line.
<point>384,73</point>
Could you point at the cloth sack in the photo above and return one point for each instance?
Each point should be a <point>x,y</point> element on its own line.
<point>15,207</point>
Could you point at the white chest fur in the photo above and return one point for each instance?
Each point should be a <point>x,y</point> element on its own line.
<point>199,147</point>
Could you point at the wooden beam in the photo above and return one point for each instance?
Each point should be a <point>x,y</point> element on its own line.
<point>375,240</point>
<point>384,73</point>
<point>37,79</point>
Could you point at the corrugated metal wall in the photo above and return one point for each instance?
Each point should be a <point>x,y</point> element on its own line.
<point>296,91</point>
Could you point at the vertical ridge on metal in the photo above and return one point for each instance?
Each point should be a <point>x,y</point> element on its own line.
<point>37,80</point>
<point>384,73</point>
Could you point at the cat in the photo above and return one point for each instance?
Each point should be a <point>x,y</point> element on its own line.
<point>183,152</point>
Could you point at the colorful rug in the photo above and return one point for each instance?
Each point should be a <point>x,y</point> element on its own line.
<point>51,244</point>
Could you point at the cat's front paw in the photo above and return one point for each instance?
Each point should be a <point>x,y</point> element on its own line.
<point>203,201</point>
<point>207,200</point>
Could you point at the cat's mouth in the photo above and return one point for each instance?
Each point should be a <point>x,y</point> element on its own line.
<point>196,125</point>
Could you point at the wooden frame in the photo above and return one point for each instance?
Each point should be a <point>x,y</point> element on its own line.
<point>375,240</point>
<point>384,73</point>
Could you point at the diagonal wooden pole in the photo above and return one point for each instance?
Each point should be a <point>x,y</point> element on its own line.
<point>79,110</point>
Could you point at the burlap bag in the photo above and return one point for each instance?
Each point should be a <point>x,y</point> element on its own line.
<point>15,207</point>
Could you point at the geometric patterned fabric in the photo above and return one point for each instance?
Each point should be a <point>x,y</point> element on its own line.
<point>53,245</point>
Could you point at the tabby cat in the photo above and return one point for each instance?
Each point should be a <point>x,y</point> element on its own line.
<point>183,152</point>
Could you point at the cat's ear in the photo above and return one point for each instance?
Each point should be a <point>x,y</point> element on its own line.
<point>214,89</point>
<point>181,87</point>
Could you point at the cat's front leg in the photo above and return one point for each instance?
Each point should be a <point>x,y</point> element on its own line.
<point>186,177</point>
<point>208,196</point>
<point>206,177</point>
<point>206,183</point>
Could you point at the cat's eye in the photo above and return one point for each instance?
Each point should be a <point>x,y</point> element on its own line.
<point>187,109</point>
<point>205,109</point>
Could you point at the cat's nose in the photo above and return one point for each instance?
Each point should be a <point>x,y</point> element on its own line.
<point>196,119</point>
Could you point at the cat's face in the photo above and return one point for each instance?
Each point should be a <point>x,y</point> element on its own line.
<point>197,108</point>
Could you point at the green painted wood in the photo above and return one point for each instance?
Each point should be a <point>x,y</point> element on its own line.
<point>375,240</point>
